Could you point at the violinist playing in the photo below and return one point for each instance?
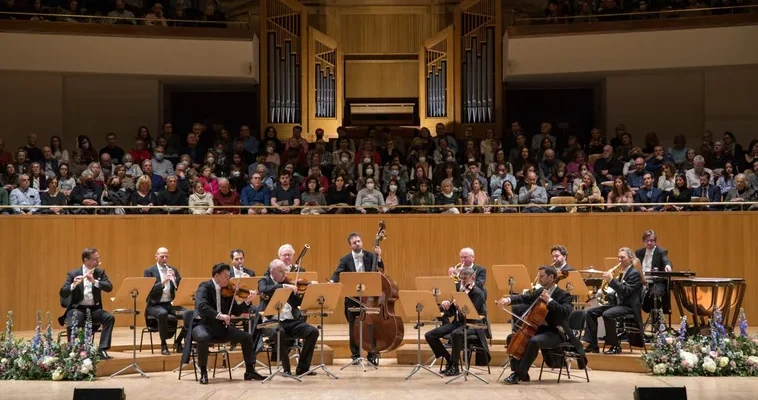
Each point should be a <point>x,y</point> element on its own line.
<point>455,326</point>
<point>291,321</point>
<point>559,306</point>
<point>213,309</point>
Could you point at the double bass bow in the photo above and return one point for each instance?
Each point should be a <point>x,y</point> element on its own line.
<point>384,330</point>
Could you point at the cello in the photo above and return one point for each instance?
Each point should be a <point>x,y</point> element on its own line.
<point>383,331</point>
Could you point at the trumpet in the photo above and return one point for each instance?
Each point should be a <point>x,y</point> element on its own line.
<point>455,272</point>
<point>602,293</point>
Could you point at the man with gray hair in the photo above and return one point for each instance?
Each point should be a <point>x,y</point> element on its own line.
<point>741,193</point>
<point>24,196</point>
<point>467,261</point>
<point>86,193</point>
<point>693,175</point>
<point>532,193</point>
<point>286,254</point>
<point>226,197</point>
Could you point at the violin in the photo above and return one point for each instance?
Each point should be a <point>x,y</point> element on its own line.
<point>234,290</point>
<point>301,284</point>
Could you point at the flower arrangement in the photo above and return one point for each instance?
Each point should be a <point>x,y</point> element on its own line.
<point>45,358</point>
<point>716,355</point>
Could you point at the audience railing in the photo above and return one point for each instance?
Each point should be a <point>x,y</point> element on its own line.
<point>431,209</point>
<point>521,18</point>
<point>245,23</point>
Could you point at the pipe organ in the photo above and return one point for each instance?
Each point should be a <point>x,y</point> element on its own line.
<point>478,59</point>
<point>325,70</point>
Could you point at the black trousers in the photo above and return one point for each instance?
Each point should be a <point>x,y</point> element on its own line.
<point>543,339</point>
<point>78,316</point>
<point>203,334</point>
<point>297,329</point>
<point>355,350</point>
<point>434,338</point>
<point>609,314</point>
<point>166,316</point>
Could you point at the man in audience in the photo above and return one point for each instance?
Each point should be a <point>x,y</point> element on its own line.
<point>173,143</point>
<point>120,15</point>
<point>741,193</point>
<point>545,129</point>
<point>656,160</point>
<point>106,165</point>
<point>711,193</point>
<point>250,143</point>
<point>256,194</point>
<point>111,148</point>
<point>183,179</point>
<point>155,16</point>
<point>608,167</point>
<point>532,193</point>
<point>546,168</point>
<point>471,175</point>
<point>648,194</point>
<point>173,197</point>
<point>297,133</point>
<point>33,153</point>
<point>195,152</point>
<point>161,166</point>
<point>441,132</point>
<point>509,141</point>
<point>285,196</point>
<point>37,178</point>
<point>158,182</point>
<point>693,175</point>
<point>24,196</point>
<point>719,157</point>
<point>49,163</point>
<point>5,156</point>
<point>86,194</point>
<point>225,197</point>
<point>635,179</point>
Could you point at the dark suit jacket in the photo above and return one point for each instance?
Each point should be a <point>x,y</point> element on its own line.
<point>656,196</point>
<point>629,292</point>
<point>267,286</point>
<point>567,268</point>
<point>660,258</point>
<point>347,264</point>
<point>245,270</point>
<point>481,278</point>
<point>558,309</point>
<point>478,298</point>
<point>73,298</point>
<point>154,297</point>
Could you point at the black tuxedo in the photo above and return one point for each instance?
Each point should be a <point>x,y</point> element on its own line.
<point>164,312</point>
<point>76,313</point>
<point>208,327</point>
<point>658,290</point>
<point>628,301</point>
<point>347,264</point>
<point>519,309</point>
<point>454,328</point>
<point>295,328</point>
<point>547,336</point>
<point>248,271</point>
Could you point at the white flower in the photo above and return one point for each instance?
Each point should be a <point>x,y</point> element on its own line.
<point>4,361</point>
<point>723,361</point>
<point>726,341</point>
<point>49,360</point>
<point>709,365</point>
<point>705,350</point>
<point>660,369</point>
<point>689,360</point>
<point>58,374</point>
<point>84,370</point>
<point>669,340</point>
<point>752,360</point>
<point>72,354</point>
<point>87,363</point>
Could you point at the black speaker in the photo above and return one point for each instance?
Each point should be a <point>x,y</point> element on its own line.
<point>99,394</point>
<point>660,393</point>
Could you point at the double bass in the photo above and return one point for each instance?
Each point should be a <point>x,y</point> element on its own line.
<point>382,331</point>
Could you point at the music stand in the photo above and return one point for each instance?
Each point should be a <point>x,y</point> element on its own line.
<point>275,306</point>
<point>357,285</point>
<point>321,299</point>
<point>416,302</point>
<point>574,285</point>
<point>134,288</point>
<point>308,276</point>
<point>466,307</point>
<point>511,278</point>
<point>439,286</point>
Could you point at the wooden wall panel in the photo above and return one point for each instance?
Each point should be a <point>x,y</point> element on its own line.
<point>37,251</point>
<point>381,78</point>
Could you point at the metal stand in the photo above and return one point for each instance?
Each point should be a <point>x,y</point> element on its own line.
<point>321,327</point>
<point>134,365</point>
<point>419,366</point>
<point>279,368</point>
<point>465,372</point>
<point>362,361</point>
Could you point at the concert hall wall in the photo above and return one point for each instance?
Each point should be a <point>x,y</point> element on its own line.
<point>37,251</point>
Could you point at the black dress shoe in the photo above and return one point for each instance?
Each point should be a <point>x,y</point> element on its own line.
<point>373,358</point>
<point>525,378</point>
<point>306,373</point>
<point>452,370</point>
<point>164,349</point>
<point>203,376</point>
<point>253,376</point>
<point>104,355</point>
<point>178,348</point>
<point>512,379</point>
<point>590,349</point>
<point>613,350</point>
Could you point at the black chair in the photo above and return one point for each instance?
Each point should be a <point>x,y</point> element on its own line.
<point>218,347</point>
<point>151,326</point>
<point>473,347</point>
<point>566,350</point>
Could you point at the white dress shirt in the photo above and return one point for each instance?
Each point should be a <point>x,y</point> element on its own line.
<point>218,298</point>
<point>166,295</point>
<point>286,311</point>
<point>89,298</point>
<point>647,261</point>
<point>358,258</point>
<point>240,272</point>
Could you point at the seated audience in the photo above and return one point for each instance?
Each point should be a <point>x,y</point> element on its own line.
<point>648,194</point>
<point>588,192</point>
<point>226,197</point>
<point>86,194</point>
<point>201,202</point>
<point>693,175</point>
<point>339,195</point>
<point>115,195</point>
<point>312,199</point>
<point>680,194</point>
<point>24,197</point>
<point>666,181</point>
<point>741,193</point>
<point>531,193</point>
<point>726,181</point>
<point>423,197</point>
<point>369,199</point>
<point>507,196</point>
<point>145,196</point>
<point>256,194</point>
<point>286,196</point>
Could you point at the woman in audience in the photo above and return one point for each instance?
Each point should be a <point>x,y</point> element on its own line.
<point>342,150</point>
<point>132,169</point>
<point>750,156</point>
<point>270,135</point>
<point>546,145</point>
<point>666,180</point>
<point>576,184</point>
<point>144,196</point>
<point>139,153</point>
<point>9,178</point>
<point>623,151</point>
<point>344,162</point>
<point>651,140</point>
<point>115,195</point>
<point>210,183</point>
<point>272,156</point>
<point>488,146</point>
<point>393,173</point>
<point>87,151</point>
<point>97,174</point>
<point>620,194</point>
<point>498,159</point>
<point>210,162</point>
<point>559,180</point>
<point>237,178</point>
<point>572,148</point>
<point>368,168</point>
<point>449,170</point>
<point>369,199</point>
<point>573,169</point>
<point>507,195</point>
<point>295,154</point>
<point>394,196</point>
<point>312,198</point>
<point>597,142</point>
<point>526,158</point>
<point>679,151</point>
<point>726,180</point>
<point>681,194</point>
<point>425,163</point>
<point>144,135</point>
<point>53,197</point>
<point>59,153</point>
<point>477,197</point>
<point>201,202</point>
<point>339,195</point>
<point>128,183</point>
<point>387,154</point>
<point>469,152</point>
<point>223,160</point>
<point>448,199</point>
<point>731,146</point>
<point>620,131</point>
<point>76,165</point>
<point>689,162</point>
<point>66,181</point>
<point>423,197</point>
<point>415,184</point>
<point>239,162</point>
<point>588,192</point>
<point>502,175</point>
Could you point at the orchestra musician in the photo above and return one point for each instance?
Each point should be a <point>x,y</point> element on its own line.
<point>467,261</point>
<point>238,265</point>
<point>215,322</point>
<point>357,260</point>
<point>559,307</point>
<point>655,258</point>
<point>291,322</point>
<point>83,291</point>
<point>455,327</point>
<point>628,290</point>
<point>286,254</point>
<point>167,280</point>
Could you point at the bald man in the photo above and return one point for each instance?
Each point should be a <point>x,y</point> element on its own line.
<point>159,299</point>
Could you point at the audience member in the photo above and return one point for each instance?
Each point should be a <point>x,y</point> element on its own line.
<point>226,197</point>
<point>532,194</point>
<point>200,202</point>
<point>648,194</point>
<point>24,198</point>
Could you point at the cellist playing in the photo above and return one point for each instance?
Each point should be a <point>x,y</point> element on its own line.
<point>559,307</point>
